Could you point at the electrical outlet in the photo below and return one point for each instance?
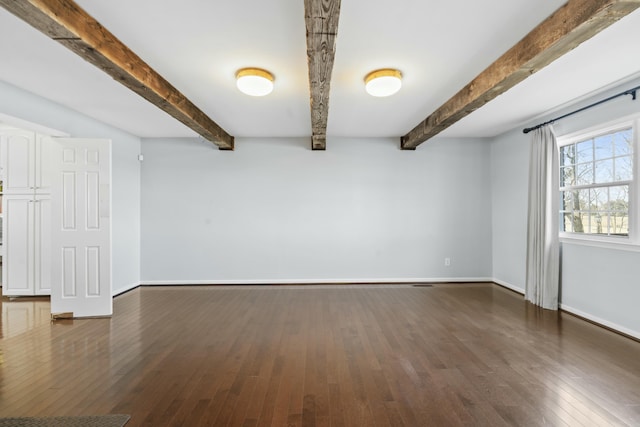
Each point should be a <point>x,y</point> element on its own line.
<point>447,262</point>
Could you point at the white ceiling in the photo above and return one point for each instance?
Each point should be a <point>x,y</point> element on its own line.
<point>198,45</point>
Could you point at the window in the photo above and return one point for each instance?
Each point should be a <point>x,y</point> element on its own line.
<point>597,183</point>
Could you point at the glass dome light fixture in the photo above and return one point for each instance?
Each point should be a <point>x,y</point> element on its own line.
<point>254,81</point>
<point>384,82</point>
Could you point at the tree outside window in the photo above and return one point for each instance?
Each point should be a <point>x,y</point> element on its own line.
<point>595,177</point>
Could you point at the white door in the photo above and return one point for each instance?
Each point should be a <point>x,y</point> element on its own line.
<point>81,227</point>
<point>18,241</point>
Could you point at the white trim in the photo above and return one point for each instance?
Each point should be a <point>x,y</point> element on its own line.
<point>598,130</point>
<point>620,245</point>
<point>600,321</point>
<point>125,289</point>
<point>315,281</point>
<point>613,242</point>
<point>508,285</point>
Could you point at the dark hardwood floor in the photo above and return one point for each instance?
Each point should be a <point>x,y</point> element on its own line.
<point>446,355</point>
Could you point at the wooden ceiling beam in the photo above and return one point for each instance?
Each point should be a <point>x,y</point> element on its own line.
<point>572,24</point>
<point>321,21</point>
<point>67,23</point>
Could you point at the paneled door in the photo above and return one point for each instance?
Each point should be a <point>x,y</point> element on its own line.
<point>17,265</point>
<point>18,150</point>
<point>81,227</point>
<point>27,261</point>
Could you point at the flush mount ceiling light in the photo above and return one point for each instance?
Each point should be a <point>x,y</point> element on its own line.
<point>254,81</point>
<point>383,82</point>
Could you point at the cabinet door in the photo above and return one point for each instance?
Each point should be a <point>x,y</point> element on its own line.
<point>18,156</point>
<point>18,236</point>
<point>42,164</point>
<point>42,245</point>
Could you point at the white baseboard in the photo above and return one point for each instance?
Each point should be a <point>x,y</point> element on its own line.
<point>508,285</point>
<point>600,321</point>
<point>577,312</point>
<point>126,289</point>
<point>316,281</point>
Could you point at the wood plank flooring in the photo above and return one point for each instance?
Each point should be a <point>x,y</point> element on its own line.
<point>446,355</point>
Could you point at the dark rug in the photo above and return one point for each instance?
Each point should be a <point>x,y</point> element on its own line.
<point>82,421</point>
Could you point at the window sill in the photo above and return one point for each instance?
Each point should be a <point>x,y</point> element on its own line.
<point>621,244</point>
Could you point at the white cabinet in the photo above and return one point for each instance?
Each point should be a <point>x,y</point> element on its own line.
<point>26,212</point>
<point>42,245</point>
<point>27,256</point>
<point>24,162</point>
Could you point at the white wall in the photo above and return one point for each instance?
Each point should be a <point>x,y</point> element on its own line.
<point>275,211</point>
<point>23,105</point>
<point>597,283</point>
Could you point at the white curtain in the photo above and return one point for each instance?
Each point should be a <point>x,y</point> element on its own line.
<point>543,259</point>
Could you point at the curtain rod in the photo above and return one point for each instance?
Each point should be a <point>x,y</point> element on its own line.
<point>631,92</point>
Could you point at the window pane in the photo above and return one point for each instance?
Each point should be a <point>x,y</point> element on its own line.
<point>595,224</point>
<point>598,224</point>
<point>604,146</point>
<point>577,223</point>
<point>566,223</point>
<point>567,155</point>
<point>583,201</point>
<point>618,223</point>
<point>622,142</point>
<point>584,174</point>
<point>590,203</point>
<point>612,226</point>
<point>567,201</point>
<point>568,176</point>
<point>604,171</point>
<point>619,198</point>
<point>601,199</point>
<point>586,222</point>
<point>584,151</point>
<point>624,168</point>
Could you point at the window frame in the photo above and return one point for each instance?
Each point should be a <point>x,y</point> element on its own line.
<point>632,241</point>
